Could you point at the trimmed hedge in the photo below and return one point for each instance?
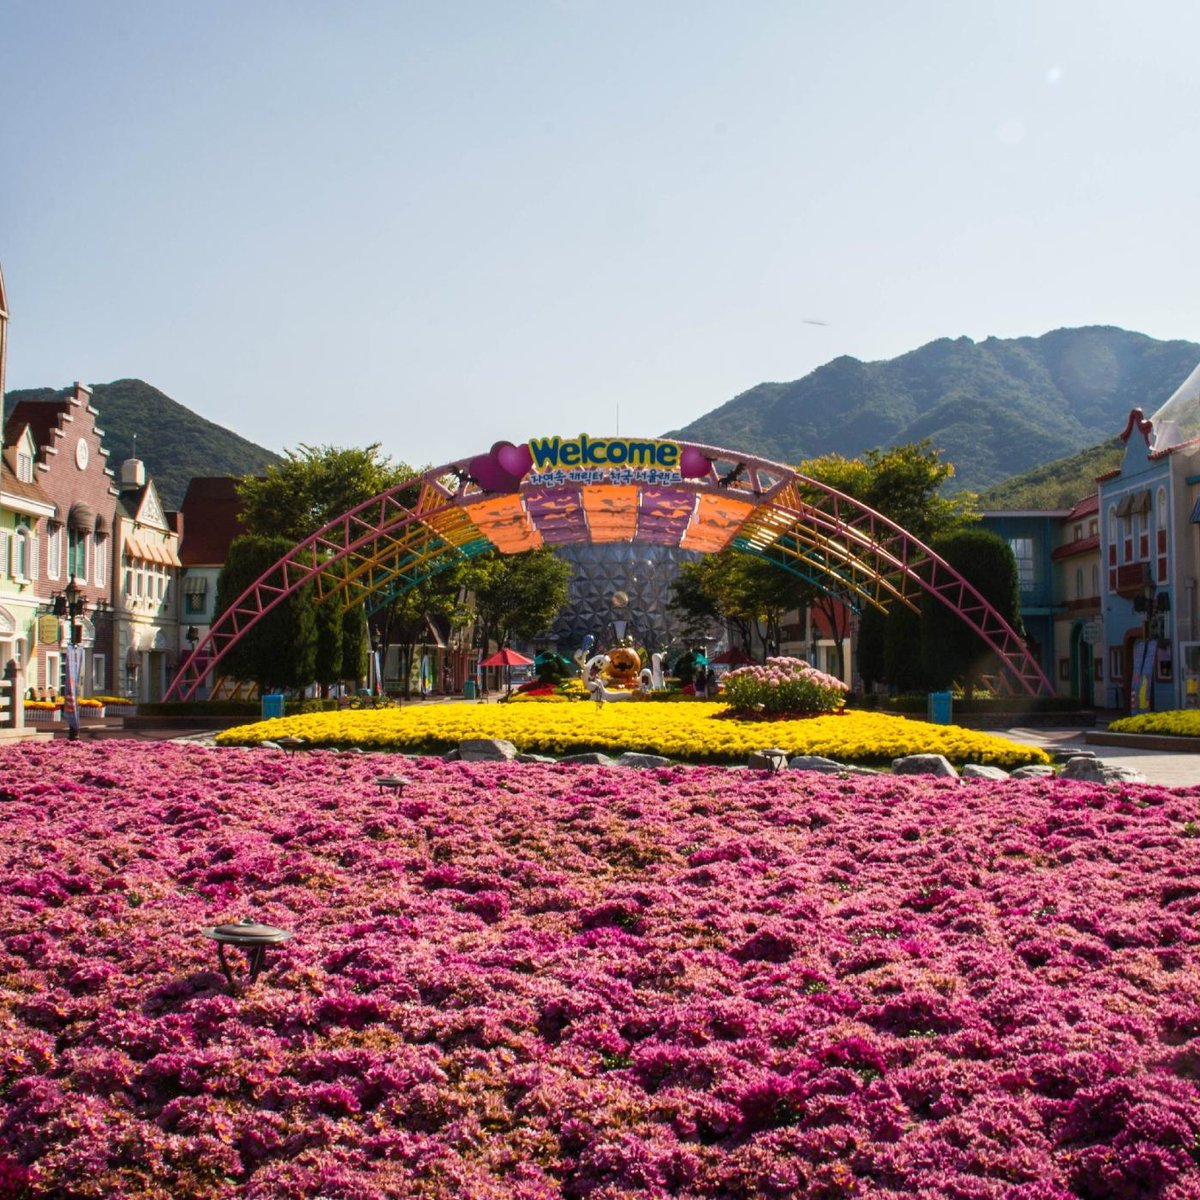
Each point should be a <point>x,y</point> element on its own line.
<point>231,708</point>
<point>978,706</point>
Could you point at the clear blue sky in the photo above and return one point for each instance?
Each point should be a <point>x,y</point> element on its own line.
<point>439,224</point>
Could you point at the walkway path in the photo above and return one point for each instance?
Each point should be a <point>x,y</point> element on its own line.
<point>1158,766</point>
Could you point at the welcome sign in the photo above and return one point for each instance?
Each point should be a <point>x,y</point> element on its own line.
<point>584,451</point>
<point>556,461</point>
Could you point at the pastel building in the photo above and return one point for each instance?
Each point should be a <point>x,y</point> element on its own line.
<point>147,554</point>
<point>1078,612</point>
<point>59,537</point>
<point>1149,509</point>
<point>211,511</point>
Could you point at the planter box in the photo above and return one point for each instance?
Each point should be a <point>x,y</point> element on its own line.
<point>42,716</point>
<point>91,713</point>
<point>120,710</point>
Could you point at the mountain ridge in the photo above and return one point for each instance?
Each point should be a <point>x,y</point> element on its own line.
<point>174,442</point>
<point>995,408</point>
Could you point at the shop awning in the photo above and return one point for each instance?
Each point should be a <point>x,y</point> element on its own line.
<point>82,517</point>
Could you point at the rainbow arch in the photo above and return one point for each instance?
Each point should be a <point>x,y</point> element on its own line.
<point>696,497</point>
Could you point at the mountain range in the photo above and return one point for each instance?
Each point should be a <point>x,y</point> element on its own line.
<point>994,408</point>
<point>1027,422</point>
<point>175,443</point>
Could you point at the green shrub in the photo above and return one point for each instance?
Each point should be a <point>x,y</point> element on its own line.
<point>782,685</point>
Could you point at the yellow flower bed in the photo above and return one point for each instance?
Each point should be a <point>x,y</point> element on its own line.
<point>1178,723</point>
<point>689,732</point>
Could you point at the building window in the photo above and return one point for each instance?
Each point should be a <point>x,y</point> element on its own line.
<point>100,561</point>
<point>1095,580</point>
<point>1093,527</point>
<point>195,591</point>
<point>1162,508</point>
<point>24,467</point>
<point>77,547</point>
<point>21,554</point>
<point>1022,549</point>
<point>1116,663</point>
<point>1078,583</point>
<point>1077,533</point>
<point>53,673</point>
<point>54,540</point>
<point>99,674</point>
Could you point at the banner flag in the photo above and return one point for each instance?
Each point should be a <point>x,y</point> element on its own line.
<point>74,661</point>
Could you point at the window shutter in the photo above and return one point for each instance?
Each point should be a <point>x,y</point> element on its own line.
<point>4,539</point>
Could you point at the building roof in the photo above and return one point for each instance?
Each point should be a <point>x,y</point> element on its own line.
<point>1071,549</point>
<point>210,509</point>
<point>18,488</point>
<point>42,415</point>
<point>1086,506</point>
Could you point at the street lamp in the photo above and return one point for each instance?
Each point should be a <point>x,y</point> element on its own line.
<point>70,603</point>
<point>192,637</point>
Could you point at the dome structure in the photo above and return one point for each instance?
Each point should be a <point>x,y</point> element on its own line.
<point>1178,420</point>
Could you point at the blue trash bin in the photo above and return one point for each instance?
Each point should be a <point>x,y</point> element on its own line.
<point>940,708</point>
<point>272,706</point>
<point>469,690</point>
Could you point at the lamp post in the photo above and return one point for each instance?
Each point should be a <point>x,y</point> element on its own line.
<point>71,604</point>
<point>192,637</point>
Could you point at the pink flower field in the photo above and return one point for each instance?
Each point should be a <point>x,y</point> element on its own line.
<point>551,981</point>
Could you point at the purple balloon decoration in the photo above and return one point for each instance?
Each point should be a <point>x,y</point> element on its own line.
<point>491,476</point>
<point>693,464</point>
<point>516,460</point>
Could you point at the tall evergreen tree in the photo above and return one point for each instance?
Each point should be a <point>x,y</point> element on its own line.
<point>280,651</point>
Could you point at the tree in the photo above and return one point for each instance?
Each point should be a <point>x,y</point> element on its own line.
<point>746,593</point>
<point>310,488</point>
<point>327,660</point>
<point>904,484</point>
<point>280,651</point>
<point>950,649</point>
<point>354,644</point>
<point>518,595</point>
<point>404,620</point>
<point>313,486</point>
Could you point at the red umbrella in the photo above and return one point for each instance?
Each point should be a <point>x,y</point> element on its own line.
<point>734,658</point>
<point>507,659</point>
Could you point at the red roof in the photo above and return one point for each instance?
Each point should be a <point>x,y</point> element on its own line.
<point>18,487</point>
<point>210,509</point>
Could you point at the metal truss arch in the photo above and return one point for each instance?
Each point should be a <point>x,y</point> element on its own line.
<point>425,524</point>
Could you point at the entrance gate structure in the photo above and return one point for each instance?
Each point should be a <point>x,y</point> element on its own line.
<point>552,492</point>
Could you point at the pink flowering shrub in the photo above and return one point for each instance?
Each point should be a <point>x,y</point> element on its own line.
<point>782,685</point>
<point>547,981</point>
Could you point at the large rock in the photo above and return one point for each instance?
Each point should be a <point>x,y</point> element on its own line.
<point>814,762</point>
<point>982,771</point>
<point>486,750</point>
<point>632,758</point>
<point>1062,754</point>
<point>1033,771</point>
<point>771,759</point>
<point>1092,770</point>
<point>590,758</point>
<point>536,758</point>
<point>924,764</point>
